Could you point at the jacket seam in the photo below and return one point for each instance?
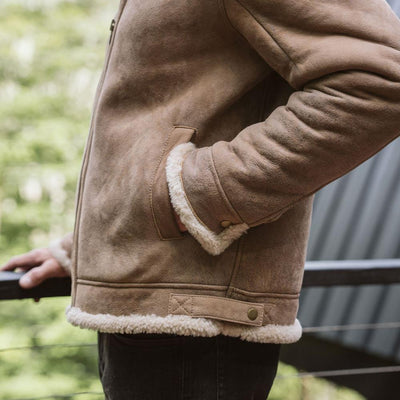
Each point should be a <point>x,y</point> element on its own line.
<point>181,235</point>
<point>236,266</point>
<point>175,286</point>
<point>221,190</point>
<point>266,31</point>
<point>275,215</point>
<point>153,285</point>
<point>87,154</point>
<point>186,197</point>
<point>289,296</point>
<point>229,24</point>
<point>159,160</point>
<point>202,296</point>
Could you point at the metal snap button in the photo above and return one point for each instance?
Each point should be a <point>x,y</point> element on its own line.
<point>225,224</point>
<point>252,314</point>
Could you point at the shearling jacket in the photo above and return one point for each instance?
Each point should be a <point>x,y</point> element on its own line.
<point>232,113</point>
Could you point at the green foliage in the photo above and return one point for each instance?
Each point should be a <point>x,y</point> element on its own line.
<point>43,371</point>
<point>51,58</point>
<point>52,52</point>
<point>288,386</point>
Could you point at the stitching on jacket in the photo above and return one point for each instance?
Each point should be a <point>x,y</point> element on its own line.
<point>87,154</point>
<point>159,161</point>
<point>269,33</point>
<point>266,295</point>
<point>219,186</point>
<point>236,267</point>
<point>172,285</point>
<point>165,144</point>
<point>255,304</point>
<point>144,286</point>
<point>181,305</point>
<point>228,22</point>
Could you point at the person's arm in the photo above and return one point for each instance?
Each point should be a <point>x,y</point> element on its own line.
<point>343,59</point>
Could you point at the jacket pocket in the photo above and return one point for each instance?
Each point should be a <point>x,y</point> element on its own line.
<point>161,207</point>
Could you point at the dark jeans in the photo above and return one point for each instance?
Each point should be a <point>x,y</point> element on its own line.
<point>172,367</point>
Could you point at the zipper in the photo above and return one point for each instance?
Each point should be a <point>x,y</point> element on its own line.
<point>113,27</point>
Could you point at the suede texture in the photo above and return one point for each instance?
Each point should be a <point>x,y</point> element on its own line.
<point>279,98</point>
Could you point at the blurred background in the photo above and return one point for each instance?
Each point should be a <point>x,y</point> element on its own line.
<point>51,55</point>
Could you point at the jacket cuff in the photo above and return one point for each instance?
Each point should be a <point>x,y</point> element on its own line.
<point>213,242</point>
<point>60,249</point>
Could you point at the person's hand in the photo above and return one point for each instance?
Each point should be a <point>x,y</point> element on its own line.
<point>182,227</point>
<point>39,263</point>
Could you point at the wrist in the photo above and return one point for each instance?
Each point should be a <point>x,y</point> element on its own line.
<point>182,227</point>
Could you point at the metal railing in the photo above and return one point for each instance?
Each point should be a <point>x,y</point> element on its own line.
<point>317,273</point>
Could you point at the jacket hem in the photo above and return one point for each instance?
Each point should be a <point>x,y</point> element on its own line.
<point>182,325</point>
<point>211,242</point>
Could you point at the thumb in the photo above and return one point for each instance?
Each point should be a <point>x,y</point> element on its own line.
<point>37,275</point>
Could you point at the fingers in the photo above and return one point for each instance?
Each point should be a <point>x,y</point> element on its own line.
<point>181,226</point>
<point>28,260</point>
<point>49,269</point>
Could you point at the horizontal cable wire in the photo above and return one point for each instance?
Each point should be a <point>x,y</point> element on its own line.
<point>310,329</point>
<point>60,396</point>
<point>328,328</point>
<point>343,372</point>
<point>45,346</point>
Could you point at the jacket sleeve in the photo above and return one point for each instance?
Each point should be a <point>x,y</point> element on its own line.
<point>61,250</point>
<point>342,57</point>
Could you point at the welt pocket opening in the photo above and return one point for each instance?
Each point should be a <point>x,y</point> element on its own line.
<point>161,207</point>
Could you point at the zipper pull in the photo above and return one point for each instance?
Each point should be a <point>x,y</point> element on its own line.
<point>112,26</point>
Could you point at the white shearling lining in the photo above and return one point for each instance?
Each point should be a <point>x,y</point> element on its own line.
<point>182,325</point>
<point>211,242</point>
<point>267,333</point>
<point>60,254</point>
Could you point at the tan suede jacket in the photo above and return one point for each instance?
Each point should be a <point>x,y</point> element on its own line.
<point>233,113</point>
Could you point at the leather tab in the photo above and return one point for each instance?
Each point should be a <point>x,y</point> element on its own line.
<point>222,308</point>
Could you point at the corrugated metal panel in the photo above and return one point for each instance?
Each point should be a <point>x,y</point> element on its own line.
<point>358,217</point>
<point>395,4</point>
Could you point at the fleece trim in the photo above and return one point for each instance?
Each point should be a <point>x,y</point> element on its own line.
<point>211,242</point>
<point>59,253</point>
<point>182,325</point>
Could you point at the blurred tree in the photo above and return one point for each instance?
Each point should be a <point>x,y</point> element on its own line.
<point>51,55</point>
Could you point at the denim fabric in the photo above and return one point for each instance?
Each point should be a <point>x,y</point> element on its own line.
<point>173,367</point>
